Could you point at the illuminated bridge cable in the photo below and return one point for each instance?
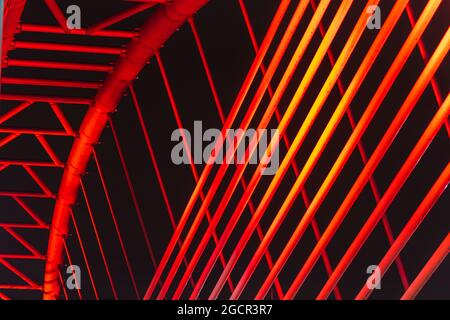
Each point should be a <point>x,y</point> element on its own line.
<point>233,113</point>
<point>356,135</point>
<point>244,125</point>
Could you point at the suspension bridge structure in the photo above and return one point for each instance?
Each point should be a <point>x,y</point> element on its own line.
<point>86,177</point>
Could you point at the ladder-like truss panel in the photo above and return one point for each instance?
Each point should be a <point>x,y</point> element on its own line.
<point>87,179</point>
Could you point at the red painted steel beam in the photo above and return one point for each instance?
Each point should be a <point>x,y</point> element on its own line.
<point>36,28</point>
<point>119,17</point>
<point>58,14</point>
<point>57,65</point>
<point>18,273</point>
<point>51,83</point>
<point>31,98</point>
<point>8,139</point>
<point>155,31</point>
<point>47,46</point>
<point>20,287</point>
<point>83,252</point>
<point>23,226</point>
<point>20,257</point>
<point>26,195</point>
<point>59,133</point>
<point>287,143</point>
<point>8,115</point>
<point>30,163</point>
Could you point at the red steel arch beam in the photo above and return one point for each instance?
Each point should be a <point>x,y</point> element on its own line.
<point>154,32</point>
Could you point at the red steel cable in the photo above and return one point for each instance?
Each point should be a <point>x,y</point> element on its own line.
<point>359,28</point>
<point>119,17</point>
<point>153,160</point>
<point>4,296</point>
<point>58,65</point>
<point>287,144</point>
<point>379,152</point>
<point>83,252</point>
<point>245,123</point>
<point>430,267</point>
<point>69,259</point>
<point>32,98</point>
<point>58,14</point>
<point>133,194</point>
<point>23,242</point>
<point>186,146</point>
<point>372,183</point>
<point>18,273</point>
<point>116,224</point>
<point>395,186</point>
<point>81,32</point>
<point>154,32</point>
<point>97,238</point>
<point>411,226</point>
<point>424,55</point>
<point>47,46</point>
<point>51,83</point>
<point>66,297</point>
<point>373,106</point>
<point>293,105</point>
<point>233,113</point>
<point>181,284</point>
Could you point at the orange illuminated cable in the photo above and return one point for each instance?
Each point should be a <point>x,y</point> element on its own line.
<point>287,143</point>
<point>245,123</point>
<point>230,119</point>
<point>372,183</point>
<point>314,111</point>
<point>395,186</point>
<point>148,143</point>
<point>83,252</point>
<point>63,285</point>
<point>69,259</point>
<point>186,144</point>
<point>97,238</point>
<point>331,126</point>
<point>132,193</point>
<point>309,120</point>
<point>424,55</point>
<point>263,124</point>
<point>430,267</point>
<point>116,224</point>
<point>411,226</point>
<point>219,107</point>
<point>409,103</point>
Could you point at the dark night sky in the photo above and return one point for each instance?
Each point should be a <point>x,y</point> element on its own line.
<point>229,53</point>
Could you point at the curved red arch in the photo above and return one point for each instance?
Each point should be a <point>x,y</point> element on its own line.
<point>154,32</point>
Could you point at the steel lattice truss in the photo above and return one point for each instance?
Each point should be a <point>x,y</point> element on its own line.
<point>315,72</point>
